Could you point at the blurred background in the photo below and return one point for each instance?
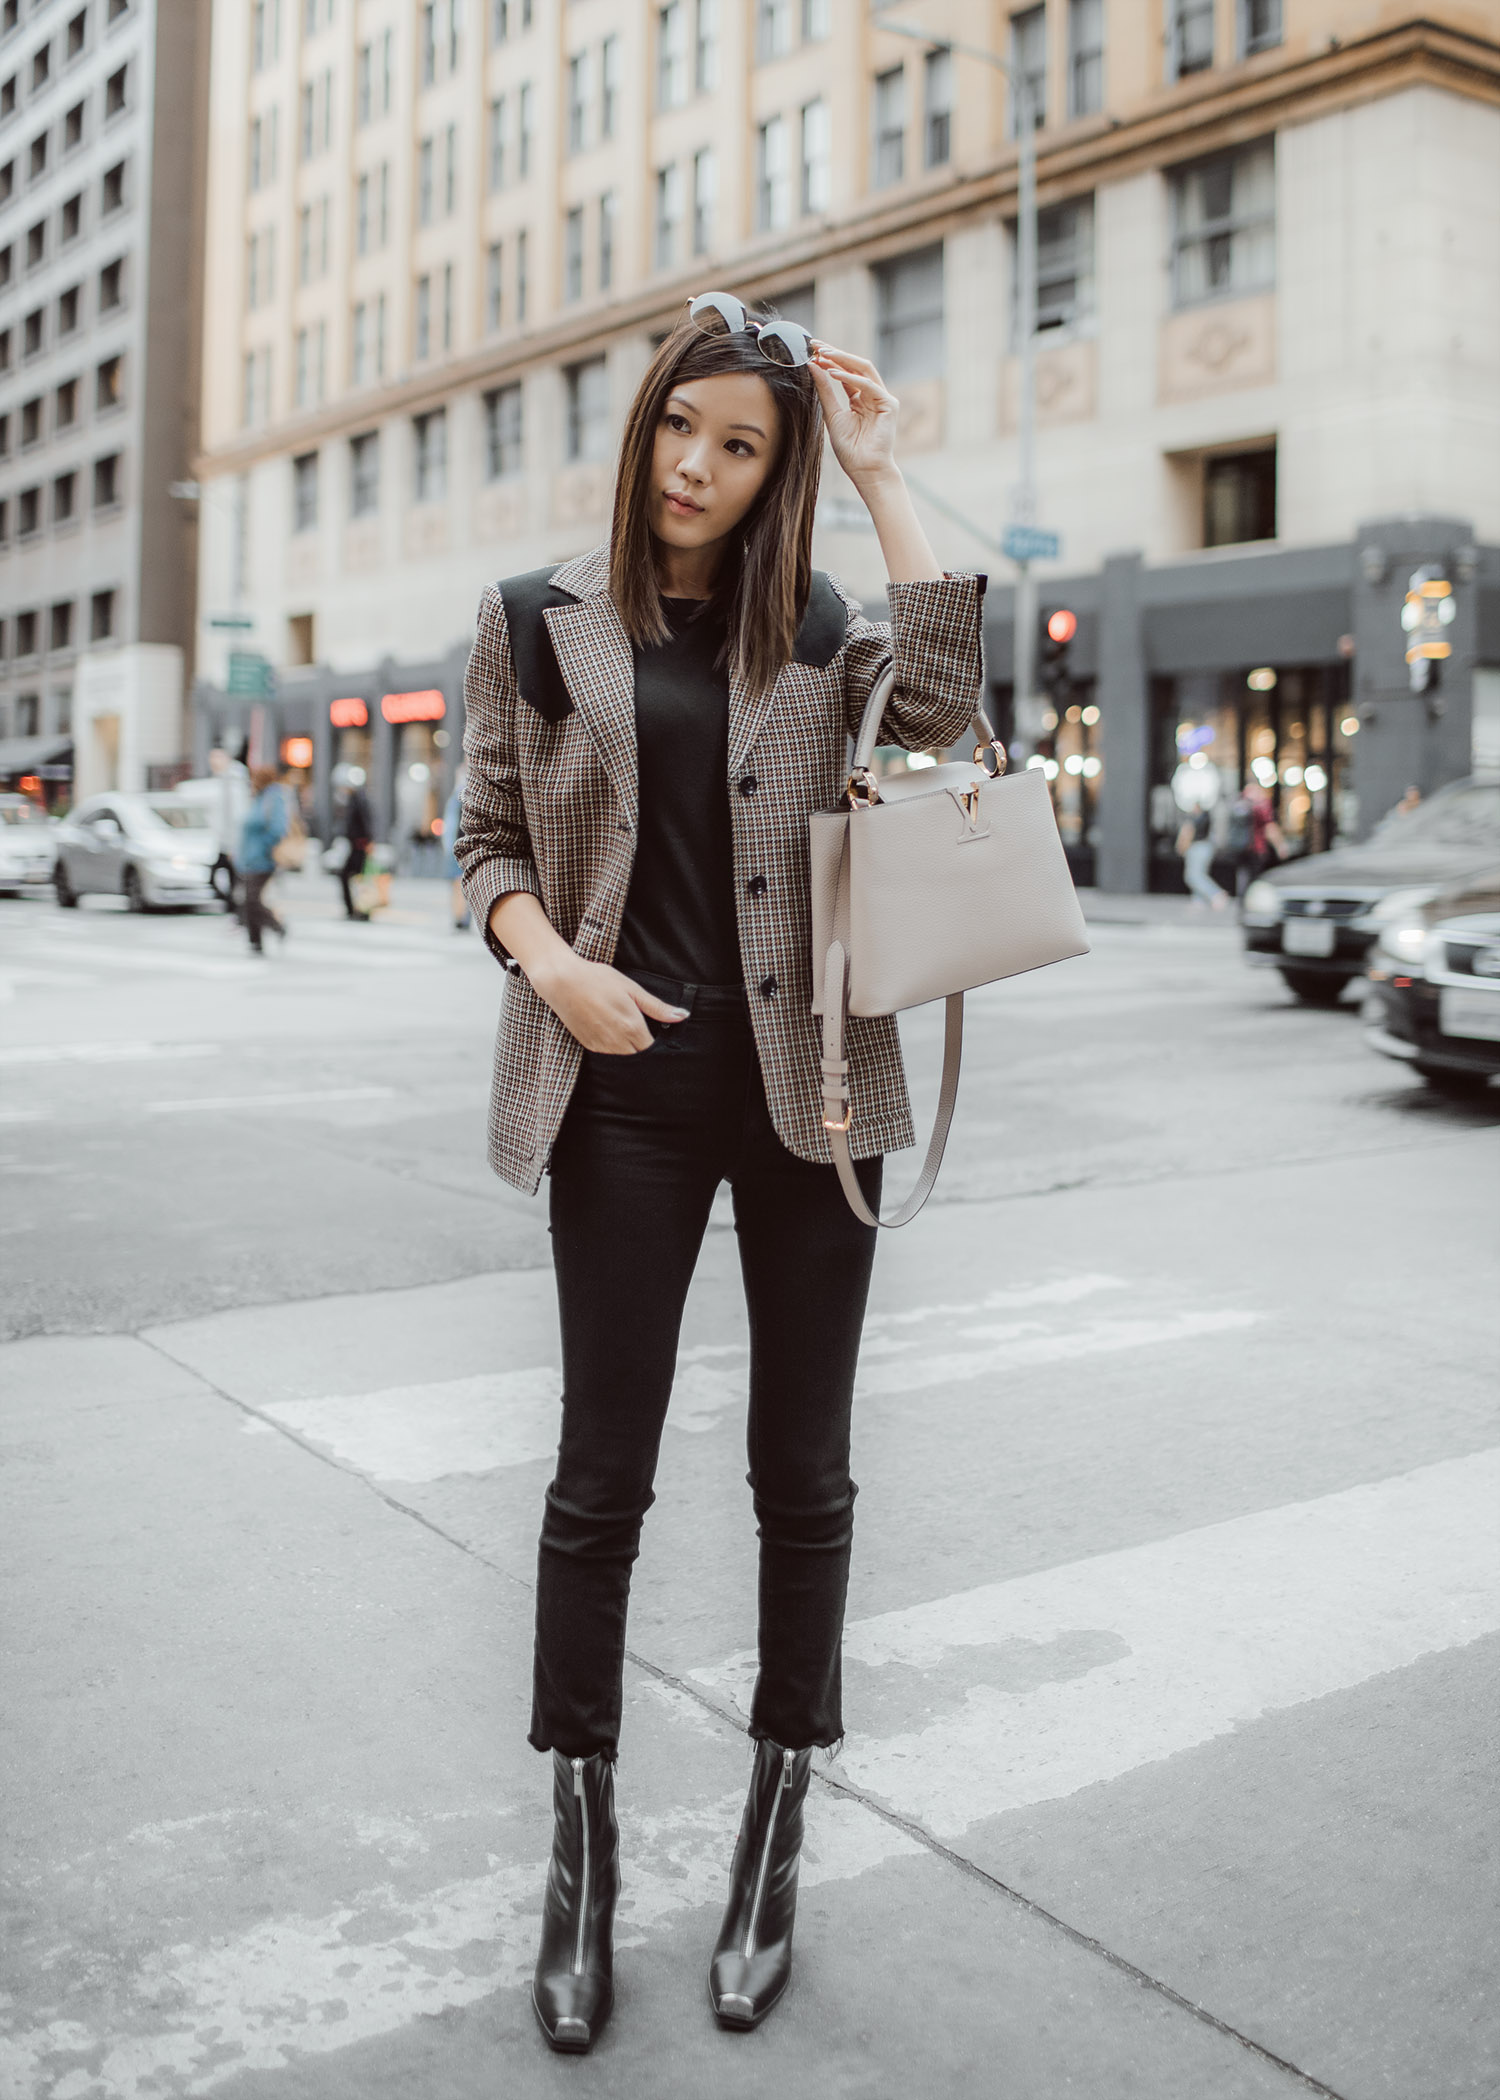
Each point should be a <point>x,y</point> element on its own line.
<point>317,315</point>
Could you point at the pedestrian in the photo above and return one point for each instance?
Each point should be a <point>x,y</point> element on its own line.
<point>232,801</point>
<point>1409,801</point>
<point>1254,841</point>
<point>643,874</point>
<point>1195,842</point>
<point>265,823</point>
<point>356,829</point>
<point>452,821</point>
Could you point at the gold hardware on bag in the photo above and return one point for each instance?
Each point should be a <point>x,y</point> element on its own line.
<point>861,782</point>
<point>969,797</point>
<point>983,753</point>
<point>844,1125</point>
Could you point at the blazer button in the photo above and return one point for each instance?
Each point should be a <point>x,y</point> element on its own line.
<point>749,784</point>
<point>756,885</point>
<point>768,988</point>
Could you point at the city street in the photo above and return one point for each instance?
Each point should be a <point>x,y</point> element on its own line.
<point>1174,1632</point>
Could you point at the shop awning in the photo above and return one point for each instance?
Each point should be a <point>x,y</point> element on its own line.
<point>27,754</point>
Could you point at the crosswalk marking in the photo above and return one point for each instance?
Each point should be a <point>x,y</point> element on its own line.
<point>1160,1648</point>
<point>122,1053</point>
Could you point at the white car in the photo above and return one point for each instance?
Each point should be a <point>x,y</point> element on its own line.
<point>153,850</point>
<point>28,845</point>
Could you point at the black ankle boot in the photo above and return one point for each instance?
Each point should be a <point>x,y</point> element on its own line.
<point>573,1989</point>
<point>752,1962</point>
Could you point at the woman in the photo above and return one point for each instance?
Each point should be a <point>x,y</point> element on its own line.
<point>649,726</point>
<point>265,823</point>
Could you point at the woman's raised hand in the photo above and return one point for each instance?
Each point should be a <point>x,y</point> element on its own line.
<point>859,412</point>
<point>603,1007</point>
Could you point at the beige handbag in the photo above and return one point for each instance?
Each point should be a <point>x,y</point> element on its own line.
<point>926,886</point>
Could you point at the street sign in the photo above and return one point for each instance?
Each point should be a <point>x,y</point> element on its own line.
<point>239,620</point>
<point>250,674</point>
<point>1030,543</point>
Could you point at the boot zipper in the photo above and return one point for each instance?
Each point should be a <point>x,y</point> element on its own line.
<point>584,1891</point>
<point>765,1857</point>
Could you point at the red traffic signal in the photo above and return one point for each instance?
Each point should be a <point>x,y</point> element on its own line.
<point>1063,625</point>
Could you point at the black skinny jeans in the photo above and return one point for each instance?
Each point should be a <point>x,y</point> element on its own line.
<point>644,1145</point>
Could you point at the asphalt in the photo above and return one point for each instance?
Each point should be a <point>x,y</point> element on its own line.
<point>1175,1624</point>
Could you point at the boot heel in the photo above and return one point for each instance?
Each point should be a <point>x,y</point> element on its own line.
<point>572,1991</point>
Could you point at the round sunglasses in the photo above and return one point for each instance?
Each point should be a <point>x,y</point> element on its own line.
<point>779,342</point>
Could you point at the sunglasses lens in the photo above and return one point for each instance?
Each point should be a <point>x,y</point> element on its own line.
<point>717,313</point>
<point>784,343</point>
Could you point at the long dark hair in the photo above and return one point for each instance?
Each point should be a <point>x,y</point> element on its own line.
<point>768,571</point>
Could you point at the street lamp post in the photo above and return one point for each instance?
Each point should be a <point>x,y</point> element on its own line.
<point>1027,710</point>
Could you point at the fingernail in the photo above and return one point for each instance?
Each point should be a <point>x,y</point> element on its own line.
<point>679,1013</point>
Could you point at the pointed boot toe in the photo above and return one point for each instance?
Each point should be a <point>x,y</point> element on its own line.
<point>572,1991</point>
<point>752,1960</point>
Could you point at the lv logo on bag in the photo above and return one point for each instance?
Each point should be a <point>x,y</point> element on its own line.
<point>968,804</point>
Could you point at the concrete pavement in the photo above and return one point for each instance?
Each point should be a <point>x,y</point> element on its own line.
<point>1176,1611</point>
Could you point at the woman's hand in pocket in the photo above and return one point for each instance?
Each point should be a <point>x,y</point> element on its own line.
<point>603,1008</point>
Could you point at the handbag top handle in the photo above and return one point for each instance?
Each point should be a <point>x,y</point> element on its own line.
<point>989,752</point>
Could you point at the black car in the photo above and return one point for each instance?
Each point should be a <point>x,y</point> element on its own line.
<point>1317,919</point>
<point>1434,987</point>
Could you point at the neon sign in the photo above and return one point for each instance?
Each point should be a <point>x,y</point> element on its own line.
<point>348,714</point>
<point>414,707</point>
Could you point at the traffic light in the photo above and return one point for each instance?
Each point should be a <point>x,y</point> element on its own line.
<point>1056,675</point>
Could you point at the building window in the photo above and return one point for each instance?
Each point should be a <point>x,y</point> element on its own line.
<point>37,162</point>
<point>26,634</point>
<point>1260,26</point>
<point>35,326</point>
<point>817,156</point>
<point>428,43</point>
<point>422,330</point>
<point>1224,226</point>
<point>455,27</point>
<point>498,127</point>
<point>304,492</point>
<point>359,343</point>
<point>1028,65</point>
<point>425,154</point>
<point>494,286</point>
<point>8,97</point>
<point>609,87</point>
<point>1239,498</point>
<point>525,130</point>
<point>77,32</point>
<point>705,198</point>
<point>587,387</point>
<point>937,109</point>
<point>380,335</point>
<point>31,423</point>
<point>430,444</point>
<point>115,93</point>
<point>36,244</point>
<point>107,481</point>
<point>362,215</point>
<point>364,84</point>
<point>101,616</point>
<point>7,181</point>
<point>72,129</point>
<point>706,47</point>
<point>303,368</point>
<point>609,214</point>
<point>112,189</point>
<point>364,474</point>
<point>66,412</point>
<point>109,386</point>
<point>61,623</point>
<point>817,21</point>
<point>7,265</point>
<point>668,215</point>
<point>1085,57</point>
<point>774,26</point>
<point>502,431</point>
<point>447,306</point>
<point>383,230</point>
<point>4,522</point>
<point>28,513</point>
<point>304,245</point>
<point>41,67</point>
<point>890,126</point>
<point>909,315</point>
<point>64,501</point>
<point>671,55</point>
<point>1064,265</point>
<point>578,101</point>
<point>523,275</point>
<point>773,186</point>
<point>450,170</point>
<point>1190,37</point>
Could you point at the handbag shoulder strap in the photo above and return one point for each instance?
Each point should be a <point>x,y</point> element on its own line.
<point>835,1069</point>
<point>985,739</point>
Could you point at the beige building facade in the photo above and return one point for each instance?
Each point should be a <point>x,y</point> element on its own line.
<point>443,237</point>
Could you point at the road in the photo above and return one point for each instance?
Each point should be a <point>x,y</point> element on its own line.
<point>1175,1622</point>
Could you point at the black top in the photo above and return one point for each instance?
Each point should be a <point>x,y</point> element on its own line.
<point>679,915</point>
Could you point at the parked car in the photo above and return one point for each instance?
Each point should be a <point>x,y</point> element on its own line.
<point>1434,987</point>
<point>28,845</point>
<point>151,849</point>
<point>1317,919</point>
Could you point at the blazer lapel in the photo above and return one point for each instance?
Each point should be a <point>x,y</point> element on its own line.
<point>594,655</point>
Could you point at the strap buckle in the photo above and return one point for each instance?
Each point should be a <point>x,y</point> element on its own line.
<point>848,1118</point>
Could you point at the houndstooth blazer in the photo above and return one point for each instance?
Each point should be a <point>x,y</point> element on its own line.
<point>550,806</point>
